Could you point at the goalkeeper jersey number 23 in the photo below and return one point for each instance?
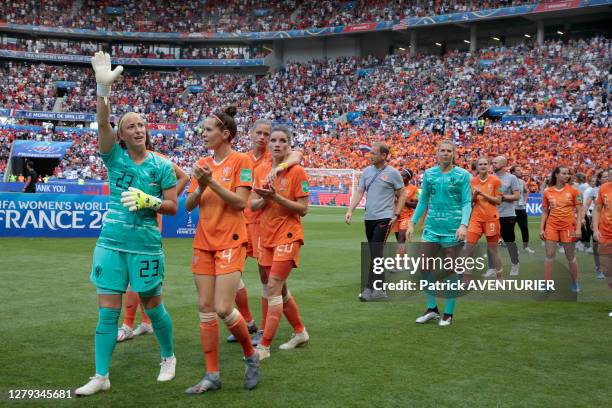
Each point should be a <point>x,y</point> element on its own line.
<point>136,231</point>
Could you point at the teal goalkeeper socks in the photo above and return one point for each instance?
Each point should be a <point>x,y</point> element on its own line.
<point>451,295</point>
<point>430,294</point>
<point>162,326</point>
<point>106,338</point>
<point>432,302</point>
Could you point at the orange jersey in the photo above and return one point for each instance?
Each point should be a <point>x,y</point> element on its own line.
<point>484,210</point>
<point>278,224</point>
<point>561,204</point>
<point>252,217</point>
<point>604,198</point>
<point>412,193</point>
<point>220,226</point>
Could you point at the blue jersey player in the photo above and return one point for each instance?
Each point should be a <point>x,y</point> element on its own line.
<point>129,249</point>
<point>447,197</point>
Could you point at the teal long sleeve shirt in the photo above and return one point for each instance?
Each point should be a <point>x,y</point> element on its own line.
<point>449,199</point>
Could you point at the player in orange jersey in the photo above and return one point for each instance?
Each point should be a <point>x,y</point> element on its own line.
<point>220,187</point>
<point>484,220</point>
<point>602,228</point>
<point>260,156</point>
<point>282,202</point>
<point>132,299</point>
<point>561,207</point>
<point>412,199</point>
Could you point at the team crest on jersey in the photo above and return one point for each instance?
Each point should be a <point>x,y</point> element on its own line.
<point>153,174</point>
<point>226,174</point>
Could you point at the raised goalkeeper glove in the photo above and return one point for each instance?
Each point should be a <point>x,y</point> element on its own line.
<point>135,200</point>
<point>101,63</point>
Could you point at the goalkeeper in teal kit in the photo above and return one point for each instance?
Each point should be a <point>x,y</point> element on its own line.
<point>142,185</point>
<point>447,197</point>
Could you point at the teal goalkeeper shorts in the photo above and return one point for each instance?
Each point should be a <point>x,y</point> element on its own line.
<point>445,241</point>
<point>113,270</point>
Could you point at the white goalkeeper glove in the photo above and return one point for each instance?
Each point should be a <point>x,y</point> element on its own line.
<point>135,200</point>
<point>101,63</point>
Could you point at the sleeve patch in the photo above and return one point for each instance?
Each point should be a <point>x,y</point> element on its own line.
<point>246,175</point>
<point>305,186</point>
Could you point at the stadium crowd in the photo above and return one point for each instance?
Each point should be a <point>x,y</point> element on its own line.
<point>554,79</point>
<point>338,105</point>
<point>537,146</point>
<point>131,51</point>
<point>228,15</point>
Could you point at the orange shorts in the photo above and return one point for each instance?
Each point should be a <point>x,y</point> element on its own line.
<point>253,243</point>
<point>282,252</point>
<point>215,263</point>
<point>401,224</point>
<point>565,235</point>
<point>486,228</point>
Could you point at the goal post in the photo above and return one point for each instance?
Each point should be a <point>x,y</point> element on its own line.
<point>332,187</point>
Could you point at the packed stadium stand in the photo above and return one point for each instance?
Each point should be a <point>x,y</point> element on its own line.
<point>131,51</point>
<point>227,15</point>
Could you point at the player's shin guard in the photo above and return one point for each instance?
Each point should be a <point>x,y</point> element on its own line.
<point>209,336</point>
<point>162,326</point>
<point>275,311</point>
<point>132,299</point>
<point>242,302</point>
<point>238,327</point>
<point>292,313</point>
<point>106,338</point>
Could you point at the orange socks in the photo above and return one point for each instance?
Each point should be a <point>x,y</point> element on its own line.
<point>292,313</point>
<point>242,302</point>
<point>132,300</point>
<point>143,316</point>
<point>209,336</point>
<point>238,327</point>
<point>264,312</point>
<point>275,311</point>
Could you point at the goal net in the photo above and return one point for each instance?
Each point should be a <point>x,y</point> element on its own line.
<point>332,187</point>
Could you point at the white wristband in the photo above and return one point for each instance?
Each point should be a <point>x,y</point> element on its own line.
<point>103,90</point>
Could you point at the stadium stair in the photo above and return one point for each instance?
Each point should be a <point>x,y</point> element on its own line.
<point>76,7</point>
<point>57,106</point>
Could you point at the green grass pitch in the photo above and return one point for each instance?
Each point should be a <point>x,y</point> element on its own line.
<point>497,354</point>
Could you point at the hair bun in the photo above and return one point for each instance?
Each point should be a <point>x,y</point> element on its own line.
<point>231,111</point>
